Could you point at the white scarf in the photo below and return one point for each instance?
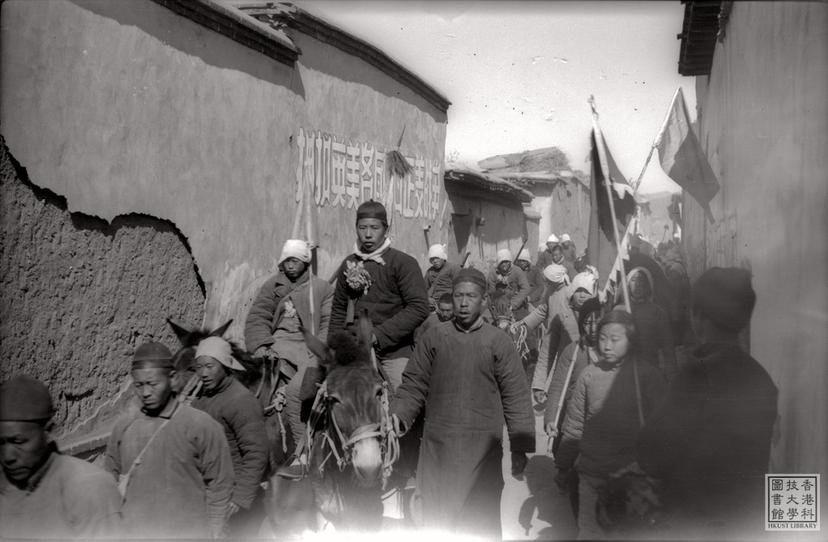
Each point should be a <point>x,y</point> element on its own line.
<point>375,255</point>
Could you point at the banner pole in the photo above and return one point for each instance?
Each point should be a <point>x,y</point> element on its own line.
<point>602,156</point>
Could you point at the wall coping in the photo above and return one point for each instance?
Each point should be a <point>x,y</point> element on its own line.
<point>284,15</point>
<point>235,25</point>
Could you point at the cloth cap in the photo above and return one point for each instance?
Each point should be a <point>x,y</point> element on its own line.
<point>220,350</point>
<point>524,255</point>
<point>372,209</point>
<point>565,238</point>
<point>503,255</point>
<point>295,248</point>
<point>24,399</point>
<point>437,251</point>
<point>725,296</point>
<point>152,355</point>
<point>555,273</point>
<point>583,281</point>
<point>552,239</point>
<point>469,274</point>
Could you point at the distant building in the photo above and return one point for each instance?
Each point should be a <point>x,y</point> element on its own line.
<point>560,194</point>
<point>487,214</point>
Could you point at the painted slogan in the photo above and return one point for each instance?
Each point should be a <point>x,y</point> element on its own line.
<point>344,173</point>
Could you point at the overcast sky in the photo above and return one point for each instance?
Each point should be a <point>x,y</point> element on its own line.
<point>519,74</point>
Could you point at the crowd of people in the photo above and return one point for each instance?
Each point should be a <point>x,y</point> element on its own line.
<point>617,405</point>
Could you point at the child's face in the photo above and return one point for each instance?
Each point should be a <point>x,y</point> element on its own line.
<point>613,343</point>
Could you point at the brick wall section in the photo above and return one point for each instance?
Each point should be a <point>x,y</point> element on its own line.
<point>77,294</point>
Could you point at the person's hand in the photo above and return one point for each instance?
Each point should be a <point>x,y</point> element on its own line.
<point>539,396</point>
<point>399,428</point>
<point>514,328</point>
<point>551,430</point>
<point>232,508</point>
<point>519,461</point>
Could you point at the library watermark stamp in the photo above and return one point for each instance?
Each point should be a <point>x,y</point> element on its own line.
<point>792,502</point>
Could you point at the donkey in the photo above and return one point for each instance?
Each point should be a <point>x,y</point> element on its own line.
<point>351,438</point>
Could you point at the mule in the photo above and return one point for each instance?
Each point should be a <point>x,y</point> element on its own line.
<point>352,442</point>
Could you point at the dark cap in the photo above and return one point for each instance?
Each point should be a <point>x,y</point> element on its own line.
<point>152,355</point>
<point>373,209</point>
<point>725,296</point>
<point>469,274</point>
<point>24,399</point>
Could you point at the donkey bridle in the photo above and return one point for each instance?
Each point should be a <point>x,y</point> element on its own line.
<point>384,431</point>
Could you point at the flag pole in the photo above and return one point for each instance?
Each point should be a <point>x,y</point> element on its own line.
<point>602,156</point>
<point>656,141</point>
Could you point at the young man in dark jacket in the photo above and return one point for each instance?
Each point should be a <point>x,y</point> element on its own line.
<point>710,443</point>
<point>387,283</point>
<point>240,415</point>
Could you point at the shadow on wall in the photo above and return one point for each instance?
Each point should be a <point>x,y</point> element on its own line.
<point>79,295</point>
<point>165,25</point>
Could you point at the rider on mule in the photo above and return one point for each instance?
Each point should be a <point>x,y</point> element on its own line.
<point>290,299</point>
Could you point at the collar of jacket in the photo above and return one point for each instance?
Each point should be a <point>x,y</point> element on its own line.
<point>710,350</point>
<point>167,411</point>
<point>474,327</point>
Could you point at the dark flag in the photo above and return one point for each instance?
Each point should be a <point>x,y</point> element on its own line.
<point>601,246</point>
<point>682,157</point>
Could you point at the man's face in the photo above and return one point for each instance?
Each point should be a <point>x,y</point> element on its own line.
<point>437,263</point>
<point>210,371</point>
<point>293,268</point>
<point>557,254</point>
<point>504,267</point>
<point>613,343</point>
<point>550,246</point>
<point>579,298</point>
<point>445,311</point>
<point>469,301</point>
<point>24,446</point>
<point>524,265</point>
<point>154,388</point>
<point>370,234</point>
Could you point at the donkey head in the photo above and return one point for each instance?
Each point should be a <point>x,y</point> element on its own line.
<point>353,399</point>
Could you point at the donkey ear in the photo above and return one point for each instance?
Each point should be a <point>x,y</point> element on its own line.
<point>219,331</point>
<point>365,329</point>
<point>179,331</point>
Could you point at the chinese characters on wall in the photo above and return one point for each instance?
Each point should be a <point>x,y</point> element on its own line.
<point>344,173</point>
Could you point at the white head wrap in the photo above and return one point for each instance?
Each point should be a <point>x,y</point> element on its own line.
<point>524,255</point>
<point>552,239</point>
<point>503,255</point>
<point>437,251</point>
<point>585,280</point>
<point>565,237</point>
<point>295,248</point>
<point>555,273</point>
<point>218,349</point>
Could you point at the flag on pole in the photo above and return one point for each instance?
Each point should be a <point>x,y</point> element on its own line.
<point>682,157</point>
<point>601,245</point>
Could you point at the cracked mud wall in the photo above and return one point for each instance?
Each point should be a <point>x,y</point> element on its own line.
<point>79,294</point>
